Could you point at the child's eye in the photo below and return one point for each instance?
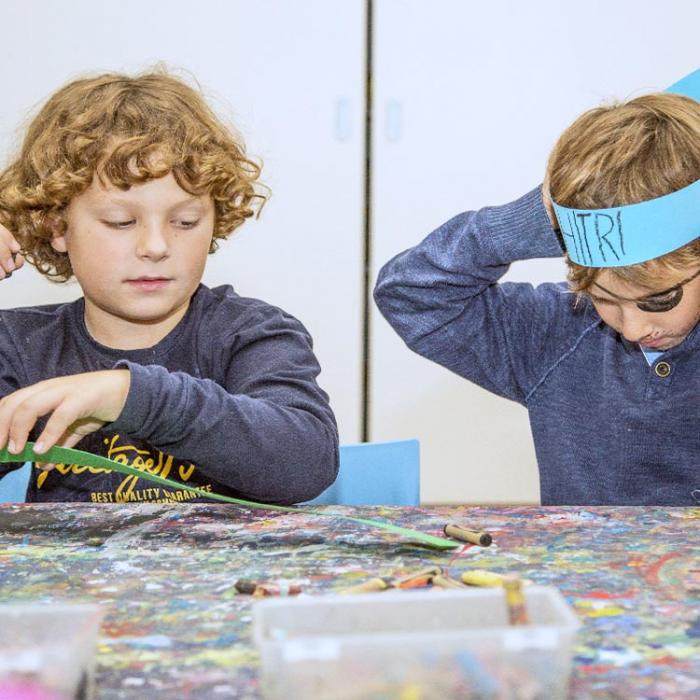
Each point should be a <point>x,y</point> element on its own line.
<point>603,302</point>
<point>118,224</point>
<point>186,224</point>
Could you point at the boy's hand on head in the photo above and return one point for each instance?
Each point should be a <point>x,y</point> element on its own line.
<point>10,259</point>
<point>76,405</point>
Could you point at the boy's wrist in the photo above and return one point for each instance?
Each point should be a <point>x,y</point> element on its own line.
<point>522,229</point>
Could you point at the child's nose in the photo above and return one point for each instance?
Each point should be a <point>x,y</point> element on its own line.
<point>152,241</point>
<point>635,325</point>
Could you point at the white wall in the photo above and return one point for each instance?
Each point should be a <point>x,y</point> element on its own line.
<point>290,77</point>
<point>470,98</point>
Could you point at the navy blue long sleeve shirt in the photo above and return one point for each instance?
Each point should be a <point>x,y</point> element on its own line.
<point>607,427</point>
<point>227,401</point>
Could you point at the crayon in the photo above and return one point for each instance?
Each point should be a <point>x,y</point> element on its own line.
<point>479,577</point>
<point>373,584</point>
<point>418,579</point>
<point>415,582</point>
<point>483,539</point>
<point>515,600</point>
<point>446,582</point>
<point>261,590</point>
<point>488,579</point>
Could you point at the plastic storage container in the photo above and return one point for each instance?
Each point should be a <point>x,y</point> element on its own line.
<point>432,645</point>
<point>50,646</point>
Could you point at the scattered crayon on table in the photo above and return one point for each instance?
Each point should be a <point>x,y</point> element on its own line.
<point>483,539</point>
<point>442,581</point>
<point>515,600</point>
<point>264,589</point>
<point>479,577</point>
<point>488,579</point>
<point>419,579</point>
<point>373,584</point>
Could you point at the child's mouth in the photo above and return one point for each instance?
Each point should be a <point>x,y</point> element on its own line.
<point>149,284</point>
<point>656,343</point>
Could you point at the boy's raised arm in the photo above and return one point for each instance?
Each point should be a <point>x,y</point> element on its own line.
<point>443,299</point>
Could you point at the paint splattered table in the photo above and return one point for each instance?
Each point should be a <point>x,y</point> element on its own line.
<point>175,626</point>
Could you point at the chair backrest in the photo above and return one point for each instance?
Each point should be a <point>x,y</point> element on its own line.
<point>13,486</point>
<point>371,473</point>
<point>376,473</point>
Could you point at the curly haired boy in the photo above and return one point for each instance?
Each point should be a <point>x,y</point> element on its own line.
<point>128,184</point>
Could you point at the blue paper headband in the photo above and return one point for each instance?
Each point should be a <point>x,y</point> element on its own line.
<point>635,233</point>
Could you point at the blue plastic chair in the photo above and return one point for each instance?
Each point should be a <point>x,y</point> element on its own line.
<point>376,473</point>
<point>371,473</point>
<point>13,486</point>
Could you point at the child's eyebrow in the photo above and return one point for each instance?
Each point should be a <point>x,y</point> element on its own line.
<point>602,300</point>
<point>116,200</point>
<point>621,298</point>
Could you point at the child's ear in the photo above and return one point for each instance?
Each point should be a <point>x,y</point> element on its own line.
<point>58,234</point>
<point>58,243</point>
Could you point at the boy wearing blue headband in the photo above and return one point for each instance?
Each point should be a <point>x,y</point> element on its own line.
<point>609,373</point>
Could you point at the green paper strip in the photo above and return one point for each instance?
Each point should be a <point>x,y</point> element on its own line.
<point>66,455</point>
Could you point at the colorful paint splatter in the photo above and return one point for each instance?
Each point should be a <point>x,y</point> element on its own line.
<point>175,626</point>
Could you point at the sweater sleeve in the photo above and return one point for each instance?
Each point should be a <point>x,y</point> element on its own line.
<point>12,376</point>
<point>443,297</point>
<point>266,431</point>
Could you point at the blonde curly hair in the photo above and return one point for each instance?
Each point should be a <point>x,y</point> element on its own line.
<point>125,130</point>
<point>626,153</point>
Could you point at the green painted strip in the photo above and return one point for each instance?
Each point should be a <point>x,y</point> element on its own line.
<point>66,455</point>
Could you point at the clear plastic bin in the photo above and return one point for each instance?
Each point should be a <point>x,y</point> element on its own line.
<point>51,645</point>
<point>427,645</point>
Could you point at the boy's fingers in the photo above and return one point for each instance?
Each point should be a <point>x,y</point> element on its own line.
<point>11,263</point>
<point>7,239</point>
<point>10,259</point>
<point>30,410</point>
<point>63,416</point>
<point>8,407</point>
<point>70,439</point>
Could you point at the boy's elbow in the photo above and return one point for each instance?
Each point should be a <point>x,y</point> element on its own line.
<point>321,475</point>
<point>313,471</point>
<point>383,287</point>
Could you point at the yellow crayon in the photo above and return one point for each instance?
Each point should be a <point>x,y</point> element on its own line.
<point>373,584</point>
<point>479,577</point>
<point>446,582</point>
<point>515,600</point>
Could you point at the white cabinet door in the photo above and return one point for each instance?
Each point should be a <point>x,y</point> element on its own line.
<point>290,75</point>
<point>469,99</point>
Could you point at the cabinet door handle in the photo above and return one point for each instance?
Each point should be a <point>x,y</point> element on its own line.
<point>393,121</point>
<point>342,128</point>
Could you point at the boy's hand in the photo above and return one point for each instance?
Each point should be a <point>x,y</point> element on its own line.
<point>78,405</point>
<point>10,259</point>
